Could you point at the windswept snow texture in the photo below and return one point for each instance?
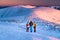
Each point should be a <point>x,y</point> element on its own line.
<point>14,11</point>
<point>17,30</point>
<point>49,14</point>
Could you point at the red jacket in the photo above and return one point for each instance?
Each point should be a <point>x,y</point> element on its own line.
<point>27,25</point>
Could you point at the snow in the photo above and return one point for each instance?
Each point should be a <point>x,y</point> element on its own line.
<point>16,31</point>
<point>10,30</point>
<point>48,14</point>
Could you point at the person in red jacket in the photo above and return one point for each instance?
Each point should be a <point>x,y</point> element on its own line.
<point>27,27</point>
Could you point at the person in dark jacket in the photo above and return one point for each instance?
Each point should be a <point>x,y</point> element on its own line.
<point>31,24</point>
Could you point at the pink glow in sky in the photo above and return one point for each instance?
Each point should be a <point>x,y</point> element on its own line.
<point>28,6</point>
<point>29,2</point>
<point>48,14</point>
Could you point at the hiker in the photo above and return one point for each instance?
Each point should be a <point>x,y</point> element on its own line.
<point>27,27</point>
<point>34,25</point>
<point>31,24</point>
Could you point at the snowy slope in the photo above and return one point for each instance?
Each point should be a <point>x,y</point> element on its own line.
<point>14,11</point>
<point>48,14</point>
<point>17,30</point>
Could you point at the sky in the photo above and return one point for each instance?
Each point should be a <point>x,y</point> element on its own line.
<point>29,2</point>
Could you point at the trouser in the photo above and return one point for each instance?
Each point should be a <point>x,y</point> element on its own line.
<point>27,29</point>
<point>30,28</point>
<point>34,29</point>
